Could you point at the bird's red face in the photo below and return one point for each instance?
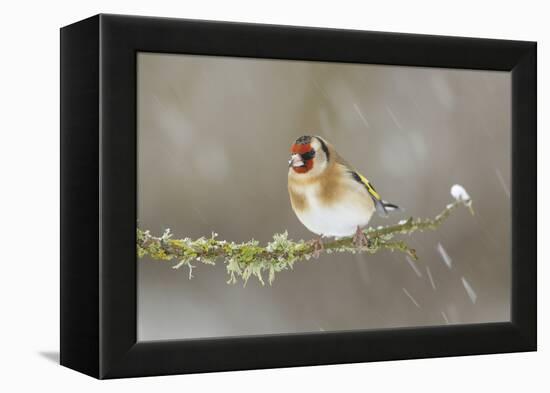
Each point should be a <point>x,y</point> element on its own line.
<point>302,157</point>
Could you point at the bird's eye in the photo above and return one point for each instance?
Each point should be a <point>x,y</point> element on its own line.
<point>309,155</point>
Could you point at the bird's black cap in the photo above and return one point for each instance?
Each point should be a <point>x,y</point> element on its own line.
<point>303,140</point>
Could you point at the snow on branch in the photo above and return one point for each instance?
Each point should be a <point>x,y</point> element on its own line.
<point>248,259</point>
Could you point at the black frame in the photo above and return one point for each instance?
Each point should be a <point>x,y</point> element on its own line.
<point>98,195</point>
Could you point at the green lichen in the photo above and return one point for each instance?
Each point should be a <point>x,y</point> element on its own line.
<point>247,259</point>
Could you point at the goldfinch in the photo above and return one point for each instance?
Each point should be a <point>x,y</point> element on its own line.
<point>329,197</point>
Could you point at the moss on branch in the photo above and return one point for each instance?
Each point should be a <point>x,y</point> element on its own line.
<point>247,259</point>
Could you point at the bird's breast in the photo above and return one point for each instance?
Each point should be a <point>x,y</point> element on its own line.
<point>336,216</point>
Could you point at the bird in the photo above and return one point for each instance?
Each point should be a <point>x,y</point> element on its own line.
<point>331,198</point>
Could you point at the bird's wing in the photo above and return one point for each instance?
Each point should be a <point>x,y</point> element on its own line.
<point>378,202</point>
<point>382,207</point>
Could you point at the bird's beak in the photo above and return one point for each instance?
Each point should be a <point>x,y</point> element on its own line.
<point>295,161</point>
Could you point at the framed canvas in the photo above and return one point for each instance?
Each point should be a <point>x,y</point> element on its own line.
<point>196,156</point>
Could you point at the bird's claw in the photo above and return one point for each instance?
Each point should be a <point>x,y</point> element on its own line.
<point>318,247</point>
<point>360,239</point>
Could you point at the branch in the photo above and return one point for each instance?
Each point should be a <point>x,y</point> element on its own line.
<point>250,259</point>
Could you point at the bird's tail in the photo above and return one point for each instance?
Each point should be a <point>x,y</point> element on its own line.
<point>384,207</point>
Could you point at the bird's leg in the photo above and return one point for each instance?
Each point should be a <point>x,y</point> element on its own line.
<point>360,239</point>
<point>318,246</point>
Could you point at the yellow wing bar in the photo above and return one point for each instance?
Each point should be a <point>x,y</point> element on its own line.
<point>369,186</point>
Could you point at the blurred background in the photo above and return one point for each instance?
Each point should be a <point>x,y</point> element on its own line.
<point>213,143</point>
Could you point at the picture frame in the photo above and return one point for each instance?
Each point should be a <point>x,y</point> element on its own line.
<point>98,196</point>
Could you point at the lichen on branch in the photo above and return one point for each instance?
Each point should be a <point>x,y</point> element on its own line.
<point>243,260</point>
